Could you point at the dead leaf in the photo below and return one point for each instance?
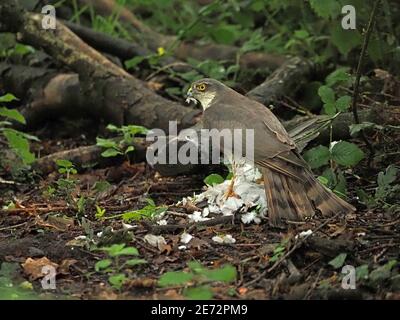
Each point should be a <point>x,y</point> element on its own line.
<point>33,267</point>
<point>65,264</point>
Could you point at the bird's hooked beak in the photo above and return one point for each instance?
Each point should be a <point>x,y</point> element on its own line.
<point>189,96</point>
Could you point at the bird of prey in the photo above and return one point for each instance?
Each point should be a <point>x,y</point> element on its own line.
<point>292,191</point>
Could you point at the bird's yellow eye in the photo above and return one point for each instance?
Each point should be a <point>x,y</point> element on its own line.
<point>201,87</point>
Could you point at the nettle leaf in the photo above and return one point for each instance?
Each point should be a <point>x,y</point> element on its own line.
<point>317,157</point>
<point>8,98</point>
<point>174,278</point>
<point>338,262</point>
<point>326,8</point>
<point>213,179</point>
<point>343,103</point>
<point>12,114</point>
<point>346,153</point>
<point>198,293</point>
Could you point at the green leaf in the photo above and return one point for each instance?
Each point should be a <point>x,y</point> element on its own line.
<point>19,144</point>
<point>134,262</point>
<point>343,103</point>
<point>387,177</point>
<point>327,94</point>
<point>224,34</point>
<point>382,273</point>
<point>345,40</point>
<point>225,274</point>
<point>12,114</point>
<point>346,153</point>
<point>326,8</point>
<point>129,149</point>
<point>130,251</point>
<point>174,278</point>
<point>362,272</point>
<point>117,280</point>
<point>106,143</point>
<point>132,63</point>
<point>213,179</point>
<point>198,293</point>
<point>317,157</point>
<point>63,163</point>
<point>111,153</point>
<point>357,127</point>
<point>340,75</point>
<point>102,264</point>
<point>8,98</point>
<point>330,109</point>
<point>338,262</point>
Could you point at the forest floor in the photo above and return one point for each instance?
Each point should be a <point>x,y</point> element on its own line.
<point>271,263</point>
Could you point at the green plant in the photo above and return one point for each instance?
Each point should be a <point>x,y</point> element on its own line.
<point>122,143</point>
<point>279,250</point>
<point>148,212</point>
<point>197,280</point>
<point>17,141</point>
<point>386,192</point>
<point>65,185</point>
<point>113,266</point>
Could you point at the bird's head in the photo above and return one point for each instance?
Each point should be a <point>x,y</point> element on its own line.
<point>203,91</point>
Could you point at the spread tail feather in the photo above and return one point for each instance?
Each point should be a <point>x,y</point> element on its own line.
<point>293,200</point>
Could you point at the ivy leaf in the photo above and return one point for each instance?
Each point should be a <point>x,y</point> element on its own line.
<point>12,114</point>
<point>317,157</point>
<point>346,153</point>
<point>174,278</point>
<point>343,103</point>
<point>338,261</point>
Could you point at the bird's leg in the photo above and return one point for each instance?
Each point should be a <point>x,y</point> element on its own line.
<point>229,192</point>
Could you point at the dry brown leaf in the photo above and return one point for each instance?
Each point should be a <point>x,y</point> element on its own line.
<point>65,264</point>
<point>33,267</point>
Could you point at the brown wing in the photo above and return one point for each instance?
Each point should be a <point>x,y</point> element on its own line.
<point>273,148</point>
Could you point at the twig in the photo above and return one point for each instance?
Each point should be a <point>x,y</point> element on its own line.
<point>294,248</point>
<point>368,33</point>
